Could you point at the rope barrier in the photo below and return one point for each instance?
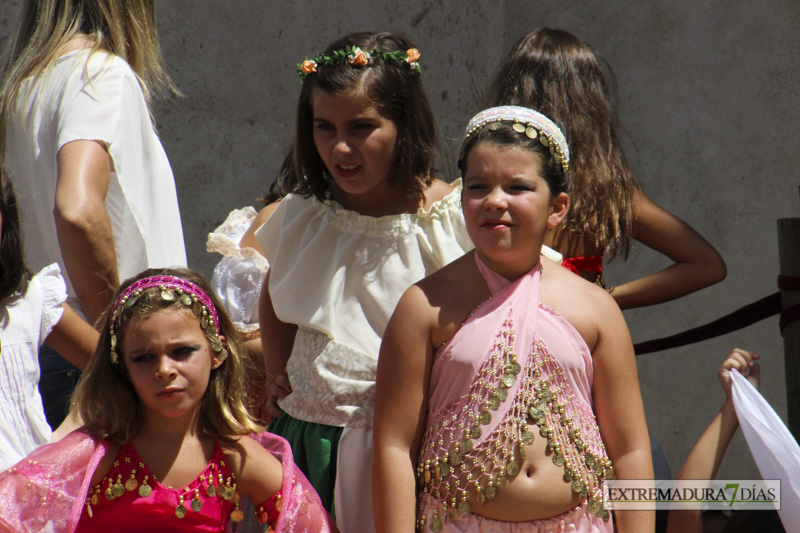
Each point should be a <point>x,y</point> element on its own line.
<point>741,318</point>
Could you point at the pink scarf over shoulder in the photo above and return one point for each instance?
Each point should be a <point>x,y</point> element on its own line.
<point>47,490</point>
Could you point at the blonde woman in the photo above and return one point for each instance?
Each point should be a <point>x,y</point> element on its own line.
<point>95,185</point>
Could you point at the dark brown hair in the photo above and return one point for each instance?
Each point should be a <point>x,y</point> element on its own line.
<point>14,271</point>
<point>555,73</point>
<point>391,85</point>
<point>106,399</point>
<point>505,137</point>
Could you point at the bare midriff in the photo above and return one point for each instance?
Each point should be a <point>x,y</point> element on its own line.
<point>537,492</point>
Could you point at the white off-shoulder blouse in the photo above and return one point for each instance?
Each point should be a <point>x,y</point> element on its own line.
<point>338,275</point>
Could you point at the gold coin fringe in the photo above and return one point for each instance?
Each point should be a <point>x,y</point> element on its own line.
<point>529,130</point>
<point>224,488</point>
<point>457,466</point>
<point>171,294</point>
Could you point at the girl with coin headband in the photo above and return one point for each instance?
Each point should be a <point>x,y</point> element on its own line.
<point>508,403</point>
<point>167,442</point>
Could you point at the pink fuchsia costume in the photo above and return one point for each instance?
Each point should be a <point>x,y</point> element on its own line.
<point>49,491</point>
<point>131,490</point>
<point>514,362</point>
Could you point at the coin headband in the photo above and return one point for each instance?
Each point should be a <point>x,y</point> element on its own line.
<point>523,120</point>
<point>172,288</point>
<point>359,58</point>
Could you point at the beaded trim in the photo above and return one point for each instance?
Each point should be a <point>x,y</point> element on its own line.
<point>455,463</point>
<point>359,58</point>
<point>171,288</point>
<point>224,488</point>
<point>523,120</point>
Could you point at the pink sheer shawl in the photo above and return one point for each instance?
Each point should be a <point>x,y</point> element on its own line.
<point>46,491</point>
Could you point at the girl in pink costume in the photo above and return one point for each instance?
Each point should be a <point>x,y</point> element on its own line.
<point>507,402</point>
<point>167,442</point>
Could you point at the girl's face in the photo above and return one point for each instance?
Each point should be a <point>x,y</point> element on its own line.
<point>508,207</point>
<point>169,362</point>
<point>357,141</point>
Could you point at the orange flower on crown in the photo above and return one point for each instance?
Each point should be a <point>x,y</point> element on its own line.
<point>308,66</point>
<point>359,58</point>
<point>413,55</point>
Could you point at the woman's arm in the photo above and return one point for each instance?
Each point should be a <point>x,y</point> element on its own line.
<point>83,225</point>
<point>400,411</point>
<point>73,338</point>
<point>704,460</point>
<point>618,408</point>
<point>697,264</point>
<point>277,340</point>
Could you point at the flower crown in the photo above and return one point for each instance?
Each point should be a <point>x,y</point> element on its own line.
<point>522,120</point>
<point>171,288</point>
<point>359,58</point>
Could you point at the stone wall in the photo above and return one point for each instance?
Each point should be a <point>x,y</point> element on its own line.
<point>707,96</point>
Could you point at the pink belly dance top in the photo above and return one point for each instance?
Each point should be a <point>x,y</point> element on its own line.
<point>130,495</point>
<point>514,363</point>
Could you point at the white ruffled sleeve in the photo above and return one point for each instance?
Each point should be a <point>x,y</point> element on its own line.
<point>240,273</point>
<point>54,294</point>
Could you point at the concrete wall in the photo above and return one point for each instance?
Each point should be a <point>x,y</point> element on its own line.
<point>707,97</point>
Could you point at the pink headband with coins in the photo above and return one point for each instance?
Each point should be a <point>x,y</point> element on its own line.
<point>172,288</point>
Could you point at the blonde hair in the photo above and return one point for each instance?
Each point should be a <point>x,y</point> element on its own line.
<point>107,401</point>
<point>125,28</point>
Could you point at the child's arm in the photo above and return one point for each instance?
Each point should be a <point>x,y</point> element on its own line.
<point>73,338</point>
<point>249,237</point>
<point>704,460</point>
<point>618,407</point>
<point>401,389</point>
<point>697,264</point>
<point>277,340</point>
<point>259,474</point>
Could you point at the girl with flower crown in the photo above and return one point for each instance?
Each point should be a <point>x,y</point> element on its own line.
<point>557,74</point>
<point>167,442</point>
<point>365,219</point>
<point>502,406</point>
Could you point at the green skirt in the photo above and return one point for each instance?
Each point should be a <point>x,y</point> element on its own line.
<point>314,447</point>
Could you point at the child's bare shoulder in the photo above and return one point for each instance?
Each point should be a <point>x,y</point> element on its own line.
<point>437,190</point>
<point>105,464</point>
<point>258,473</point>
<point>582,303</point>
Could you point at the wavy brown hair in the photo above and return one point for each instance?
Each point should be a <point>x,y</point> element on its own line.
<point>392,86</point>
<point>557,74</point>
<point>107,401</point>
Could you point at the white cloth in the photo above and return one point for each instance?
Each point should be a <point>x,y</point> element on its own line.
<point>25,322</point>
<point>338,275</point>
<point>96,100</point>
<point>774,449</point>
<point>352,492</point>
<point>239,275</point>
